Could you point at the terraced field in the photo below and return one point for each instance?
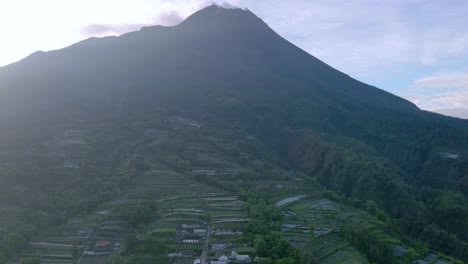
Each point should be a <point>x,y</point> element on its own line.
<point>330,248</point>
<point>62,244</point>
<point>10,217</point>
<point>314,224</point>
<point>170,183</point>
<point>179,201</point>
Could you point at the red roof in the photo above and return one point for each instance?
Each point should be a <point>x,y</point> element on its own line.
<point>102,243</point>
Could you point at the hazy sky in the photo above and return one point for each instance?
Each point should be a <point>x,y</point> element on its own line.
<point>417,49</point>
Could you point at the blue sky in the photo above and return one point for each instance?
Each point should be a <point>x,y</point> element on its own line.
<point>413,48</point>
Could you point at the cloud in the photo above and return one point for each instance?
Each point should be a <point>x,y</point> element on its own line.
<point>227,5</point>
<point>109,29</point>
<point>445,93</point>
<point>447,80</point>
<point>366,38</point>
<point>456,112</point>
<point>168,13</point>
<point>355,37</point>
<point>169,18</point>
<point>441,43</point>
<point>453,103</point>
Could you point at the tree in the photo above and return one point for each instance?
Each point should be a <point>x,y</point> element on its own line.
<point>261,247</point>
<point>371,207</point>
<point>306,257</point>
<point>12,243</point>
<point>129,244</point>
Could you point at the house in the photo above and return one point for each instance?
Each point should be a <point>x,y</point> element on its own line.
<point>190,233</point>
<point>187,253</point>
<point>218,255</point>
<point>197,261</point>
<point>103,247</point>
<point>226,232</point>
<point>243,258</point>
<point>223,258</point>
<point>220,245</point>
<point>238,257</point>
<point>183,261</point>
<point>190,226</point>
<point>217,247</point>
<point>218,262</point>
<point>86,232</point>
<point>103,243</point>
<point>199,231</point>
<point>182,254</point>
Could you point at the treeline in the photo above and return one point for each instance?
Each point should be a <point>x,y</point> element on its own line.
<point>361,237</point>
<point>12,242</point>
<point>141,214</point>
<point>449,207</point>
<point>227,185</point>
<point>264,230</point>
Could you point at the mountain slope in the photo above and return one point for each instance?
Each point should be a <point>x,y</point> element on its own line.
<point>228,68</point>
<point>240,47</point>
<point>215,59</point>
<point>215,54</point>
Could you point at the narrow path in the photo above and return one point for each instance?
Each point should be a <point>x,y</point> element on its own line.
<point>206,246</point>
<point>289,200</point>
<point>78,261</point>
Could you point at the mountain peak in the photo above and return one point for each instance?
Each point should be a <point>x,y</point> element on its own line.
<point>227,6</point>
<point>223,17</point>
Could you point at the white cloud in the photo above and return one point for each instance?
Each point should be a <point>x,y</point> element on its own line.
<point>27,26</point>
<point>169,18</point>
<point>445,93</point>
<point>109,29</point>
<point>456,112</point>
<point>453,103</point>
<point>366,38</point>
<point>441,43</point>
<point>446,80</point>
<point>228,4</point>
